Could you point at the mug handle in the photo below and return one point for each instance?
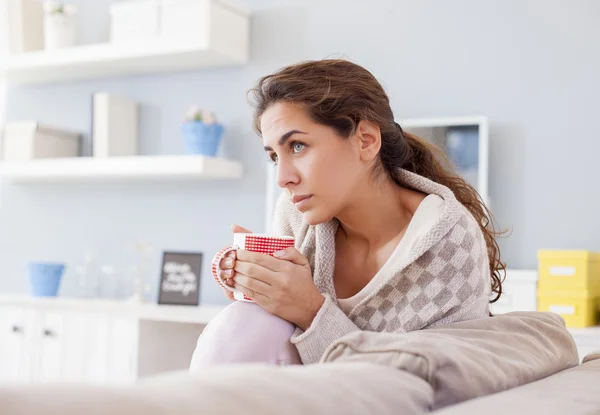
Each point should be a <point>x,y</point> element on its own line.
<point>216,270</point>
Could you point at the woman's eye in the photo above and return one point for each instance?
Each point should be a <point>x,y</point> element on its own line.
<point>298,147</point>
<point>273,158</point>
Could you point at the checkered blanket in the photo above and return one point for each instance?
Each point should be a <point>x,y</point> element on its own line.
<point>440,281</point>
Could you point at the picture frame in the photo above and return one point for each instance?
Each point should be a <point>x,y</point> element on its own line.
<point>180,277</point>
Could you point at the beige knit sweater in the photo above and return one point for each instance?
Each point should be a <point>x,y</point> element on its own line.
<point>440,282</point>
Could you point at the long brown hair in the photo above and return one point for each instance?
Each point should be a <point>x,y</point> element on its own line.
<point>339,94</point>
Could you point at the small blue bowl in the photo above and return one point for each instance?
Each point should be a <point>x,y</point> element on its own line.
<point>45,278</point>
<point>200,138</point>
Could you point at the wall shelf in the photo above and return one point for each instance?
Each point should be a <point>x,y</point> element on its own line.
<point>120,169</point>
<point>106,60</point>
<point>222,40</point>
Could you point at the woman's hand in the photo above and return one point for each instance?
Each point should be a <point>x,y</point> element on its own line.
<point>281,284</point>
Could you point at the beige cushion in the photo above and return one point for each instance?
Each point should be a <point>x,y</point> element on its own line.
<point>334,388</point>
<point>468,359</point>
<point>572,392</point>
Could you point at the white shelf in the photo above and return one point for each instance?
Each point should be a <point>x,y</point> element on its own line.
<point>142,311</point>
<point>441,122</point>
<point>137,168</point>
<point>106,60</point>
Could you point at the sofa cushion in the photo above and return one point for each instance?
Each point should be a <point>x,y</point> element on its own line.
<point>468,359</point>
<point>573,392</point>
<point>252,389</point>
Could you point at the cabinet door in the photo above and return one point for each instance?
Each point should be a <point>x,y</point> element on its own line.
<point>50,351</point>
<point>13,346</point>
<point>95,365</point>
<point>74,344</point>
<point>122,350</point>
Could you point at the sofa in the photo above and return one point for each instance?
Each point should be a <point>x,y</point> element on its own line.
<point>520,362</point>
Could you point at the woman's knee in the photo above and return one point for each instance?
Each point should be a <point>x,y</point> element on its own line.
<point>245,332</point>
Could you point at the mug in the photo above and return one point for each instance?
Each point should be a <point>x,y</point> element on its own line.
<point>265,244</point>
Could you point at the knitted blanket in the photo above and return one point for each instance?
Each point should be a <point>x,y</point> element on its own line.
<point>443,279</point>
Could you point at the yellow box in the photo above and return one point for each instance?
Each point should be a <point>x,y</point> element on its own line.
<point>569,270</point>
<point>578,308</point>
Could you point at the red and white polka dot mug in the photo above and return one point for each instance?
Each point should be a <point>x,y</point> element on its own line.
<point>266,244</point>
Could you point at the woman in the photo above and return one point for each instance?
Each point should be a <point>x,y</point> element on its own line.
<point>388,236</point>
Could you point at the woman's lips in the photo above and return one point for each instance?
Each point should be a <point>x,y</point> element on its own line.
<point>301,201</point>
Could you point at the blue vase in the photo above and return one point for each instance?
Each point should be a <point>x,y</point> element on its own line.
<point>201,138</point>
<point>45,278</point>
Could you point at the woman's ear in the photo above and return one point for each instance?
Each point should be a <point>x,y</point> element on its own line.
<point>368,137</point>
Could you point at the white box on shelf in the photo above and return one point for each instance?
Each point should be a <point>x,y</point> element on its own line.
<point>25,20</point>
<point>134,20</point>
<point>29,140</point>
<point>184,18</point>
<point>205,21</point>
<point>115,130</point>
<point>519,292</point>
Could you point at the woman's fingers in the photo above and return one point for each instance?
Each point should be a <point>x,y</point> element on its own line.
<point>228,261</point>
<point>264,260</point>
<point>254,271</point>
<point>239,229</point>
<point>228,294</point>
<point>226,275</point>
<point>250,286</point>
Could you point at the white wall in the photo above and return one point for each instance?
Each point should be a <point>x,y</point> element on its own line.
<point>531,66</point>
<point>3,54</point>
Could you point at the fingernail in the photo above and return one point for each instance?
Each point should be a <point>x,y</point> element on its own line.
<point>228,272</point>
<point>228,262</point>
<point>278,253</point>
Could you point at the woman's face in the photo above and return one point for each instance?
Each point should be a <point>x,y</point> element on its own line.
<point>320,170</point>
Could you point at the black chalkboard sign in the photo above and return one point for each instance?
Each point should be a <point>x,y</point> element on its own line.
<point>180,278</point>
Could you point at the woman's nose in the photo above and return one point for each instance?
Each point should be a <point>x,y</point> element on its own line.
<point>286,174</point>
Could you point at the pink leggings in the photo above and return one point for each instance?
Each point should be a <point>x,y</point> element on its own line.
<point>243,333</point>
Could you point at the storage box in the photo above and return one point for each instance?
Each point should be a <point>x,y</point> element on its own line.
<point>519,292</point>
<point>201,22</point>
<point>115,129</point>
<point>577,308</point>
<point>25,25</point>
<point>30,140</point>
<point>134,21</point>
<point>184,19</point>
<point>574,270</point>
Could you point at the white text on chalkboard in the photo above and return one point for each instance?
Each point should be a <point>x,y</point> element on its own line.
<point>180,278</point>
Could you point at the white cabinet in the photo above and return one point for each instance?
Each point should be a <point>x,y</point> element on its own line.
<point>13,343</point>
<point>46,340</point>
<point>44,346</point>
<point>587,340</point>
<point>519,292</point>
